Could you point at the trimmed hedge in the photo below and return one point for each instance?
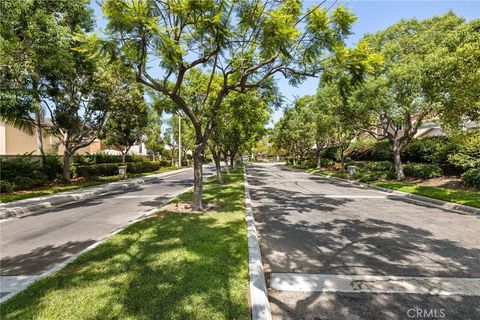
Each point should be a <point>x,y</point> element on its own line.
<point>26,172</point>
<point>144,166</point>
<point>422,170</point>
<point>111,169</point>
<point>104,169</point>
<point>102,157</point>
<point>471,178</point>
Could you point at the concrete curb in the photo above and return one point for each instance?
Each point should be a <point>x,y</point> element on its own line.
<point>258,289</point>
<point>458,208</point>
<point>40,204</point>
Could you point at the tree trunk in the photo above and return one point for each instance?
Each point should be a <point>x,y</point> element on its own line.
<point>216,159</point>
<point>232,161</point>
<point>397,160</point>
<point>38,130</point>
<point>225,159</point>
<point>342,161</point>
<point>123,156</point>
<point>197,177</point>
<point>67,161</point>
<point>319,159</point>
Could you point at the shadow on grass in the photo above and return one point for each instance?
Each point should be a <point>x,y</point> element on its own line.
<point>170,266</point>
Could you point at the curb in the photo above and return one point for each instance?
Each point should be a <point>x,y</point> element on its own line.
<point>258,289</point>
<point>37,205</point>
<point>454,207</point>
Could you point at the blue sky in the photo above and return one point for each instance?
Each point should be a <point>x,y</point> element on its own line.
<point>372,16</point>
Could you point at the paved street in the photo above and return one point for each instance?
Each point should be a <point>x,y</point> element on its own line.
<point>31,245</point>
<point>332,250</point>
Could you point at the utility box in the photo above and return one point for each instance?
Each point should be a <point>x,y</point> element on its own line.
<point>122,170</point>
<point>352,170</point>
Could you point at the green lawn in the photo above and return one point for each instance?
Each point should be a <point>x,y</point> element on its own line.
<point>169,266</point>
<point>19,195</point>
<point>469,198</point>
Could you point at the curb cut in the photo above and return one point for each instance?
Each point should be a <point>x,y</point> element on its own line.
<point>37,205</point>
<point>454,207</point>
<point>258,289</point>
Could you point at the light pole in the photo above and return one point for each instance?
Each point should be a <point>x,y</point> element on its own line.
<point>179,140</point>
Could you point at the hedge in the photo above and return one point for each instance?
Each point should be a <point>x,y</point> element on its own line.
<point>144,166</point>
<point>102,157</point>
<point>111,169</point>
<point>422,170</point>
<point>26,172</point>
<point>471,178</point>
<point>104,169</point>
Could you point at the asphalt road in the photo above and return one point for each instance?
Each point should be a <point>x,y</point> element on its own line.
<point>313,225</point>
<point>33,244</point>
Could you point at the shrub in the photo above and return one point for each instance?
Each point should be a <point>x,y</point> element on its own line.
<point>6,186</point>
<point>52,166</point>
<point>471,178</point>
<point>422,170</point>
<point>21,183</point>
<point>428,150</point>
<point>380,166</point>
<point>144,166</point>
<point>468,154</point>
<point>22,166</point>
<point>380,151</point>
<point>104,169</point>
<point>368,176</point>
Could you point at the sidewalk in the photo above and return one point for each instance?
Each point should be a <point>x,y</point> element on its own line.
<point>40,204</point>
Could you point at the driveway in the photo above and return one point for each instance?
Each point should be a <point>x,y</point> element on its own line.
<point>31,245</point>
<point>332,250</point>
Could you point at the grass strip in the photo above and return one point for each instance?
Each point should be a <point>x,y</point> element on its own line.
<point>468,198</point>
<point>169,266</point>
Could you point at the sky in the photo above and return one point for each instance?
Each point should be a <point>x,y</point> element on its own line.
<point>372,16</point>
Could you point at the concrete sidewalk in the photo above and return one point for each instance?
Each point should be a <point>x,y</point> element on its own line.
<point>40,204</point>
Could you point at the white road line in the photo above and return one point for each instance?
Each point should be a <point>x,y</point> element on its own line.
<point>375,284</point>
<point>354,196</point>
<point>135,197</point>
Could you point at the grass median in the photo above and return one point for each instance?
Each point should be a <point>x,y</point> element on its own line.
<point>172,265</point>
<point>94,181</point>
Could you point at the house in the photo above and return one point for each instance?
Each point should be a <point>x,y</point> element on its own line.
<point>14,142</point>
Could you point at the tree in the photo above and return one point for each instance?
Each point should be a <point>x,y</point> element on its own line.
<point>241,43</point>
<point>295,131</point>
<point>34,38</point>
<point>416,82</point>
<point>154,144</point>
<point>128,117</point>
<point>240,124</point>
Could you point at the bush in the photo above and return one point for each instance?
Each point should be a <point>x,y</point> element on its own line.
<point>468,154</point>
<point>428,150</point>
<point>380,166</point>
<point>103,157</point>
<point>6,186</point>
<point>380,151</point>
<point>422,170</point>
<point>22,166</point>
<point>144,166</point>
<point>104,169</point>
<point>471,178</point>
<point>52,167</point>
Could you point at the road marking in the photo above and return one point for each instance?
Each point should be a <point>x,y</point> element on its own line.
<point>135,197</point>
<point>354,196</point>
<point>375,284</point>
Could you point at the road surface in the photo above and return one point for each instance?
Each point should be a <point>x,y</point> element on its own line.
<point>332,250</point>
<point>31,245</point>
